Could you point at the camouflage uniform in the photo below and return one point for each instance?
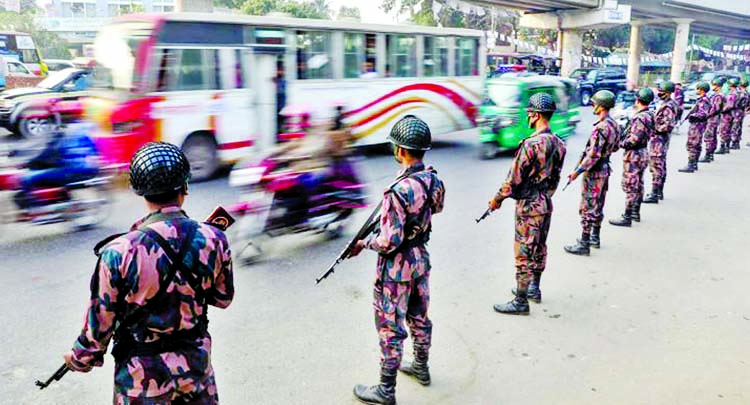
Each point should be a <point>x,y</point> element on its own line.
<point>532,181</point>
<point>635,157</point>
<point>743,99</point>
<point>698,117</point>
<point>664,122</point>
<point>714,118</point>
<point>594,163</point>
<point>402,289</point>
<point>727,118</point>
<point>127,277</point>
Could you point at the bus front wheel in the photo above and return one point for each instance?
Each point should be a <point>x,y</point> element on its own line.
<point>200,150</point>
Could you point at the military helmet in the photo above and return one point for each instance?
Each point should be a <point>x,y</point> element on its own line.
<point>666,86</point>
<point>645,95</point>
<point>541,102</point>
<point>717,81</point>
<point>703,86</point>
<point>157,168</point>
<point>411,133</point>
<point>733,82</point>
<point>604,98</point>
<point>744,83</point>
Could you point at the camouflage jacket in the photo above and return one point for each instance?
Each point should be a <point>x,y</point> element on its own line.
<point>699,114</point>
<point>634,142</point>
<point>534,175</point>
<point>730,104</point>
<point>405,223</point>
<point>665,119</point>
<point>717,104</point>
<point>604,141</point>
<point>129,273</point>
<point>743,101</point>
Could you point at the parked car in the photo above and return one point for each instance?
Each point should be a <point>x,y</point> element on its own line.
<point>690,91</point>
<point>27,111</point>
<point>503,123</point>
<point>580,73</point>
<point>601,79</point>
<point>56,65</point>
<point>16,74</point>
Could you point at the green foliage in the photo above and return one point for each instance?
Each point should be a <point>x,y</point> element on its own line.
<point>50,45</point>
<point>658,40</point>
<point>349,12</point>
<point>230,4</point>
<point>306,9</point>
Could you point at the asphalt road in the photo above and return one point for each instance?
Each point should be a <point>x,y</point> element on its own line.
<point>658,315</point>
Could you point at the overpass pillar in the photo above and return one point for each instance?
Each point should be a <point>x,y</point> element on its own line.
<point>634,55</point>
<point>571,51</point>
<point>681,39</point>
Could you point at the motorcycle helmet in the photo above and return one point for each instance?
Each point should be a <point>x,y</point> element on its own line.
<point>158,168</point>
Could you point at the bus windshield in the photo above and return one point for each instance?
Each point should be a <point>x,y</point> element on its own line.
<point>116,48</point>
<point>505,95</point>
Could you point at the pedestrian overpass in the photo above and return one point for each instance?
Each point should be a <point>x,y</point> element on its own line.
<point>572,17</point>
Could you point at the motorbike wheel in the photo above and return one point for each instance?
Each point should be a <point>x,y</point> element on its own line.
<point>91,206</point>
<point>248,233</point>
<point>336,230</point>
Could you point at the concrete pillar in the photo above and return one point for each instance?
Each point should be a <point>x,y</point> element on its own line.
<point>681,39</point>
<point>634,55</point>
<point>572,50</point>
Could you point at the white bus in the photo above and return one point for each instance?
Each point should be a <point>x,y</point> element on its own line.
<point>207,82</point>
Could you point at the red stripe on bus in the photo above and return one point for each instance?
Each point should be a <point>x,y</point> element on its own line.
<point>235,145</point>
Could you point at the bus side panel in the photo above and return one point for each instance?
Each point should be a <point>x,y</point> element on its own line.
<point>374,106</point>
<point>182,113</point>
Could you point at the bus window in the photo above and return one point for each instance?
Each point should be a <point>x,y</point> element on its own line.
<point>401,51</point>
<point>196,70</point>
<point>466,57</point>
<point>354,46</point>
<point>313,60</point>
<point>435,59</point>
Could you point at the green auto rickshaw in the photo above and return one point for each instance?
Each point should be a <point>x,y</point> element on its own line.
<point>502,116</point>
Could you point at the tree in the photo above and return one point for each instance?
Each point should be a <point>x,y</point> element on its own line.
<point>349,12</point>
<point>307,9</point>
<point>50,45</point>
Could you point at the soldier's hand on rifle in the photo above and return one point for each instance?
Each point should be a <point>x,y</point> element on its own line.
<point>573,176</point>
<point>495,204</point>
<point>357,248</point>
<point>73,364</point>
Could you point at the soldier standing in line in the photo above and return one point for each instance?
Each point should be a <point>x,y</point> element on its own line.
<point>743,101</point>
<point>698,118</point>
<point>151,290</point>
<point>635,157</point>
<point>727,118</point>
<point>532,181</point>
<point>665,119</point>
<point>679,98</point>
<point>594,165</point>
<point>402,289</point>
<point>716,99</point>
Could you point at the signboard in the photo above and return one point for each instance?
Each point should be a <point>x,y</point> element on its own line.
<point>268,40</point>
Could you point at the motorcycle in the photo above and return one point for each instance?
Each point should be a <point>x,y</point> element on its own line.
<point>279,199</point>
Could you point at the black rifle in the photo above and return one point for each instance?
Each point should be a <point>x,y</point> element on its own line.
<point>688,114</point>
<point>55,377</point>
<point>566,186</point>
<point>372,223</point>
<point>484,216</point>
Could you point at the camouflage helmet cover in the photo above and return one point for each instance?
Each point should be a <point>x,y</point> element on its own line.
<point>157,168</point>
<point>604,99</point>
<point>411,133</point>
<point>645,95</point>
<point>541,102</point>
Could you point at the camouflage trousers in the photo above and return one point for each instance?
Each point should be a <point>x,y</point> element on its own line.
<point>632,181</point>
<point>595,186</point>
<point>709,137</point>
<point>396,302</point>
<point>658,167</point>
<point>725,129</point>
<point>181,377</point>
<point>737,128</point>
<point>695,141</point>
<point>530,247</point>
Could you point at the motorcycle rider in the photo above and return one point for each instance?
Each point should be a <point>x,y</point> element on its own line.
<point>68,157</point>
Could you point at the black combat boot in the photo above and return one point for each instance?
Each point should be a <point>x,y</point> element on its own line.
<point>635,215</point>
<point>595,241</point>
<point>418,368</point>
<point>384,393</point>
<point>518,306</point>
<point>660,190</point>
<point>534,293</point>
<point>581,248</point>
<point>735,145</point>
<point>625,220</point>
<point>722,149</point>
<point>687,169</point>
<point>706,158</point>
<point>652,198</point>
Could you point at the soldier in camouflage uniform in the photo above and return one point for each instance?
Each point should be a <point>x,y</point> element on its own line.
<point>635,157</point>
<point>153,300</point>
<point>698,118</point>
<point>727,117</point>
<point>679,99</point>
<point>402,289</point>
<point>532,181</point>
<point>594,165</point>
<point>665,119</point>
<point>743,101</point>
<point>716,99</point>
